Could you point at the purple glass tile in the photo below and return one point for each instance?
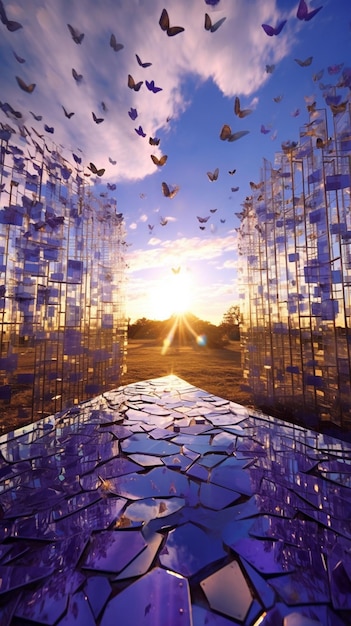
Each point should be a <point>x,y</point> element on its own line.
<point>98,516</point>
<point>151,508</point>
<point>198,471</point>
<point>12,577</point>
<point>142,443</point>
<point>111,551</point>
<point>98,591</point>
<point>177,461</point>
<point>205,617</point>
<point>339,570</point>
<point>216,497</point>
<point>272,557</point>
<point>145,460</point>
<point>263,589</point>
<point>142,563</point>
<point>79,612</point>
<point>189,549</point>
<point>231,474</point>
<point>156,599</point>
<point>159,482</point>
<point>227,592</point>
<point>45,606</point>
<point>302,587</point>
<point>7,611</point>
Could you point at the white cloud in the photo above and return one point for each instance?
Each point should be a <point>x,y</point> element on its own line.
<point>230,57</point>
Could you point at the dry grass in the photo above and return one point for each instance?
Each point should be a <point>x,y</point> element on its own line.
<point>217,371</point>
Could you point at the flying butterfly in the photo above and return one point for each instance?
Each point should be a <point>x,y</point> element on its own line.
<point>24,86</point>
<point>270,69</point>
<point>49,129</point>
<point>18,58</point>
<point>164,23</point>
<point>95,170</point>
<point>203,220</point>
<point>132,84</point>
<point>265,130</point>
<point>317,77</point>
<point>133,113</point>
<point>168,192</point>
<point>139,131</point>
<point>152,87</point>
<point>305,62</point>
<point>97,120</point>
<point>213,210</point>
<point>154,141</point>
<point>213,27</point>
<point>227,135</point>
<point>278,99</point>
<point>112,161</point>
<point>304,14</point>
<point>68,115</point>
<point>77,77</point>
<point>10,24</point>
<point>334,69</point>
<point>160,161</point>
<point>38,118</point>
<point>234,189</point>
<point>163,221</point>
<point>240,112</point>
<point>114,45</point>
<point>212,176</point>
<point>145,64</point>
<point>176,270</point>
<point>271,30</point>
<point>76,35</point>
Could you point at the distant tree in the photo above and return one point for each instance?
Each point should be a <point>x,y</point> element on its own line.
<point>145,329</point>
<point>231,321</point>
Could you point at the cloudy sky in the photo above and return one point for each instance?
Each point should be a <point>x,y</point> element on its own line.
<point>175,260</point>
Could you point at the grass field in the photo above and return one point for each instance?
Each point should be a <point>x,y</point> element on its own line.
<point>217,371</point>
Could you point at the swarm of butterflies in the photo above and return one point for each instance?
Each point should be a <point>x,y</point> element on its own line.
<point>226,134</point>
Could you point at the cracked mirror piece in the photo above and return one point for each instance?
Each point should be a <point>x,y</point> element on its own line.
<point>152,508</point>
<point>79,612</point>
<point>143,444</point>
<point>160,482</point>
<point>145,460</point>
<point>12,577</point>
<point>339,570</point>
<point>305,586</point>
<point>216,497</point>
<point>263,588</point>
<point>231,474</point>
<point>188,549</point>
<point>227,592</point>
<point>98,591</point>
<point>272,557</point>
<point>159,598</point>
<point>141,564</point>
<point>111,551</point>
<point>205,617</point>
<point>297,619</point>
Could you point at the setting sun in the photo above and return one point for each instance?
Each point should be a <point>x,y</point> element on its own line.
<point>172,296</point>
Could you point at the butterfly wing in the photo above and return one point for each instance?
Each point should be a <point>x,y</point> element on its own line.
<point>217,24</point>
<point>312,14</point>
<point>92,168</point>
<point>141,63</point>
<point>164,20</point>
<point>238,135</point>
<point>302,10</point>
<point>237,106</point>
<point>208,22</point>
<point>174,30</point>
<point>155,159</point>
<point>225,132</point>
<point>165,190</point>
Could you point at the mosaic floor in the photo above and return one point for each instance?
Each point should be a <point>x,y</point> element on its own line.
<point>162,505</point>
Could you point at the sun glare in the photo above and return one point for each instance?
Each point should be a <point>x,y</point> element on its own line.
<point>173,296</point>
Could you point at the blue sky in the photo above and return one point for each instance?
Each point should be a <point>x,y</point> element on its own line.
<point>184,263</point>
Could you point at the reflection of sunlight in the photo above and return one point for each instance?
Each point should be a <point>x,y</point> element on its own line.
<point>173,296</point>
<point>178,325</point>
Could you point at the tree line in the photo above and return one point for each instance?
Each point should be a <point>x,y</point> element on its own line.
<point>214,336</point>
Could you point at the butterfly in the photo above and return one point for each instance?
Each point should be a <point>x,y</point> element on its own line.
<point>164,23</point>
<point>227,135</point>
<point>212,176</point>
<point>151,86</point>
<point>203,220</point>
<point>270,30</point>
<point>153,141</point>
<point>141,63</point>
<point>231,172</point>
<point>18,58</point>
<point>49,129</point>
<point>213,210</point>
<point>222,221</point>
<point>265,130</point>
<point>95,170</point>
<point>139,131</point>
<point>318,76</point>
<point>114,45</point>
<point>24,86</point>
<point>256,185</point>
<point>111,187</point>
<point>69,115</point>
<point>10,24</point>
<point>77,159</point>
<point>335,69</point>
<point>97,120</point>
<point>168,192</point>
<point>133,113</point>
<point>240,112</point>
<point>304,63</point>
<point>295,113</point>
<point>112,161</point>
<point>76,35</point>
<point>132,84</point>
<point>338,108</point>
<point>303,13</point>
<point>38,118</point>
<point>163,221</point>
<point>234,188</point>
<point>104,107</point>
<point>212,2</point>
<point>278,99</point>
<point>150,227</point>
<point>160,161</point>
<point>270,69</point>
<point>202,227</point>
<point>77,77</point>
<point>213,27</point>
<point>176,270</point>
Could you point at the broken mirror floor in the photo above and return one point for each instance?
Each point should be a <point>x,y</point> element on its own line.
<point>163,505</point>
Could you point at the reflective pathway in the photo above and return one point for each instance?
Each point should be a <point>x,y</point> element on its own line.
<point>159,504</point>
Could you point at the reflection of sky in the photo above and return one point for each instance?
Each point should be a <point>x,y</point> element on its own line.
<point>200,74</point>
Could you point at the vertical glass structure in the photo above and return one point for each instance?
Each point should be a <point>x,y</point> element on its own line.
<point>62,315</point>
<point>295,275</point>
